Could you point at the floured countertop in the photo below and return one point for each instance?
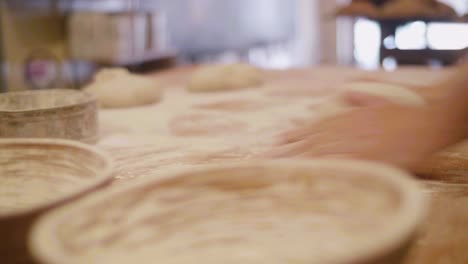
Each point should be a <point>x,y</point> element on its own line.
<point>186,130</point>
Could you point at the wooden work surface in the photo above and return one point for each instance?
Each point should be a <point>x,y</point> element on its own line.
<point>149,141</point>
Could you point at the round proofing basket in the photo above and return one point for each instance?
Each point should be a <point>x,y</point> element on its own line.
<point>37,175</point>
<point>88,219</point>
<point>55,113</point>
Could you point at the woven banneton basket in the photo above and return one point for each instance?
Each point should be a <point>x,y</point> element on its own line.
<point>322,211</point>
<point>55,113</point>
<point>37,175</point>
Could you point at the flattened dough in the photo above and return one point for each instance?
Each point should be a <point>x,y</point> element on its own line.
<point>118,88</point>
<point>393,93</point>
<point>212,78</point>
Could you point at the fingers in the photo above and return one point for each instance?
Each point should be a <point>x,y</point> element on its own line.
<point>363,115</point>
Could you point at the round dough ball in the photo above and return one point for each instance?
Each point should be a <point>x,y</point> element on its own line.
<point>393,93</point>
<point>225,77</point>
<point>109,74</point>
<point>118,88</point>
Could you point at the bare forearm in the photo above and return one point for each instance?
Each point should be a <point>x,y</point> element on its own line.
<point>453,102</point>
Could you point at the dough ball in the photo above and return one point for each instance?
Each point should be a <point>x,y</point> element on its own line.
<point>118,88</point>
<point>224,77</point>
<point>393,93</point>
<point>109,74</point>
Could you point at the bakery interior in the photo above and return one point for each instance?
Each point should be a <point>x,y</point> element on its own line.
<point>220,131</point>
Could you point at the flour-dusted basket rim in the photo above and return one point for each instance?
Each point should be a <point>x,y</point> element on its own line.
<point>37,175</point>
<point>40,100</point>
<point>53,113</point>
<point>47,247</point>
<point>38,153</point>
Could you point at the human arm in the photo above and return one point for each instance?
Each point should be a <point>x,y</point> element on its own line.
<point>386,132</point>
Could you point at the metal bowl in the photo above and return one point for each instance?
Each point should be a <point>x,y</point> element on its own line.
<point>56,113</point>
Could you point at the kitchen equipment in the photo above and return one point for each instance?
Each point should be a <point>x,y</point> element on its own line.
<point>55,113</point>
<point>314,211</point>
<point>37,175</point>
<point>117,37</point>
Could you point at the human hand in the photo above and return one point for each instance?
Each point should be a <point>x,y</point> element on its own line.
<point>375,130</point>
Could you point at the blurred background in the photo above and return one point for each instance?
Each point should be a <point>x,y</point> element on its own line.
<point>61,43</point>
